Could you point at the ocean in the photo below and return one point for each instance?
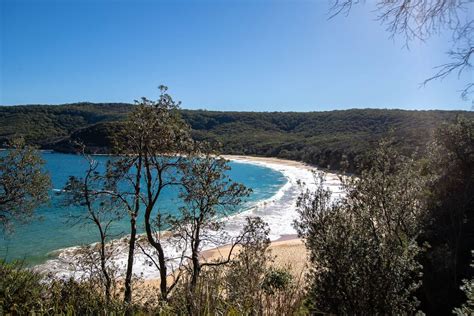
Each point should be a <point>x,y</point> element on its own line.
<point>54,229</point>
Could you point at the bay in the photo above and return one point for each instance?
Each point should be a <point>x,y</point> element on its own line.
<point>53,229</point>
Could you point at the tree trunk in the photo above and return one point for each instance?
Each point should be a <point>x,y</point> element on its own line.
<point>196,269</point>
<point>163,274</point>
<point>161,254</point>
<point>195,257</point>
<point>108,281</point>
<point>131,252</point>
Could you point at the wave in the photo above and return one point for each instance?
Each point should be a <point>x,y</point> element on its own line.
<point>278,211</point>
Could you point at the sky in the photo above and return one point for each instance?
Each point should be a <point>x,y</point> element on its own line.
<point>246,55</point>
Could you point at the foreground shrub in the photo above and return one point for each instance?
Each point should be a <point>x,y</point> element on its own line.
<point>363,247</point>
<point>24,291</point>
<point>20,289</point>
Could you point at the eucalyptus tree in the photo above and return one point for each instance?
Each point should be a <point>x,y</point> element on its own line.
<point>363,247</point>
<point>209,197</point>
<point>91,193</point>
<point>24,185</point>
<point>234,283</point>
<point>152,145</point>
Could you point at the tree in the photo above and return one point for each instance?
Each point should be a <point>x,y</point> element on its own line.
<point>90,192</point>
<point>450,223</point>
<point>152,145</point>
<point>363,247</point>
<point>420,19</point>
<point>468,288</point>
<point>247,271</point>
<point>209,195</point>
<point>24,185</point>
<point>245,285</point>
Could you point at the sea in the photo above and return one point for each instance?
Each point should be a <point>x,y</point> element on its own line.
<point>55,226</point>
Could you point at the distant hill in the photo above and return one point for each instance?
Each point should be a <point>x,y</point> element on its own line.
<point>42,124</point>
<point>321,138</point>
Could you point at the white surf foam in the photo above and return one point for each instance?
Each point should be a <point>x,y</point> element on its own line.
<point>279,212</point>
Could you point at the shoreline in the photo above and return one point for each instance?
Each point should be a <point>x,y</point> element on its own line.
<point>288,249</point>
<point>279,211</point>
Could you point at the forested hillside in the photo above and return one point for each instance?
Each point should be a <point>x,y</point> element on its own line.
<point>43,124</point>
<point>321,138</point>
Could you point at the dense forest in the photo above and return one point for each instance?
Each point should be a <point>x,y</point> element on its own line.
<point>321,138</point>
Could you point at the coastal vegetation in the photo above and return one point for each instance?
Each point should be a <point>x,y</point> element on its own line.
<point>397,237</point>
<point>364,246</point>
<point>86,192</point>
<point>396,242</point>
<point>331,139</point>
<point>24,185</point>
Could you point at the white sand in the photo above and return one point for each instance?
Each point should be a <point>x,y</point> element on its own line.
<point>280,210</point>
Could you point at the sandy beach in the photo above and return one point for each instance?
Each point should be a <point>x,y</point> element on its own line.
<point>279,212</point>
<point>288,251</point>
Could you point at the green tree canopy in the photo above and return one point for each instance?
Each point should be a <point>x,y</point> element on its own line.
<point>24,185</point>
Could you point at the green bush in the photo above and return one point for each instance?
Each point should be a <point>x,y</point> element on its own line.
<point>276,280</point>
<point>21,290</point>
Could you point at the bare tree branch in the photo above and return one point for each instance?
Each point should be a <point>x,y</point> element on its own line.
<point>421,19</point>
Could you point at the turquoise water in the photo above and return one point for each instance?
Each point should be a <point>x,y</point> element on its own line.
<point>36,241</point>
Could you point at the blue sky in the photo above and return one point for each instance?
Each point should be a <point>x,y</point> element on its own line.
<point>250,55</point>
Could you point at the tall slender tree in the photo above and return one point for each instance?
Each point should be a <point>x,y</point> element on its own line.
<point>152,145</point>
<point>209,195</point>
<point>91,193</point>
